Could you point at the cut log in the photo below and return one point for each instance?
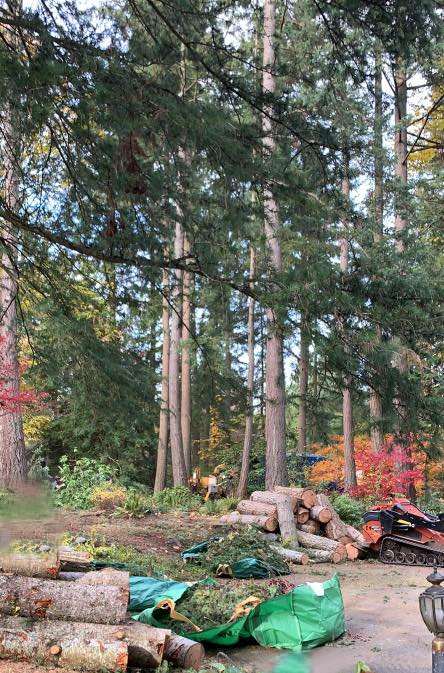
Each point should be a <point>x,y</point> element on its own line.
<point>73,653</point>
<point>302,515</point>
<point>357,536</point>
<point>321,514</point>
<point>311,526</point>
<point>271,498</point>
<point>40,599</point>
<point>335,528</point>
<point>323,556</point>
<point>184,652</point>
<point>29,565</point>
<point>286,520</point>
<point>305,496</point>
<point>345,540</point>
<point>106,577</point>
<point>268,523</point>
<point>257,508</point>
<point>291,555</point>
<point>352,551</point>
<point>145,643</point>
<point>318,542</point>
<point>73,560</point>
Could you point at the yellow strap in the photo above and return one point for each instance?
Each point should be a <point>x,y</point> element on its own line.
<point>224,570</point>
<point>244,607</point>
<point>168,604</point>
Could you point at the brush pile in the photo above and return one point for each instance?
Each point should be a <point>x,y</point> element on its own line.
<point>309,526</point>
<point>79,621</point>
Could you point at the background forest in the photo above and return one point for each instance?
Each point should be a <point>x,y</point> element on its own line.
<point>221,240</point>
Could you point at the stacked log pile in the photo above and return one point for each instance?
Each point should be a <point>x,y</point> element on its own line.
<point>80,621</point>
<point>310,527</point>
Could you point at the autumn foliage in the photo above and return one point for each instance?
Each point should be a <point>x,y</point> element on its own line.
<point>388,472</point>
<point>11,400</point>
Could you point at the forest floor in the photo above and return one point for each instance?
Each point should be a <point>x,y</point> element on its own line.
<point>384,626</point>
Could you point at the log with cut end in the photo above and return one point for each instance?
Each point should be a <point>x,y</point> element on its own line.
<point>106,577</point>
<point>318,542</point>
<point>324,556</point>
<point>40,599</point>
<point>272,497</point>
<point>302,515</point>
<point>353,553</point>
<point>268,523</point>
<point>292,555</point>
<point>31,565</point>
<point>286,520</point>
<point>311,526</point>
<point>183,652</point>
<point>73,560</point>
<point>257,508</point>
<point>145,644</point>
<point>74,653</point>
<point>320,513</point>
<point>335,528</point>
<point>357,537</point>
<point>305,496</point>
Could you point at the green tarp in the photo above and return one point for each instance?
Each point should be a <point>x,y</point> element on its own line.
<point>310,615</point>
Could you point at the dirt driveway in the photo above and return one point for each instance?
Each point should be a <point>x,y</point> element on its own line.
<point>384,626</point>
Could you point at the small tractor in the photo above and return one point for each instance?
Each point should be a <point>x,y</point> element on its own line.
<point>402,534</point>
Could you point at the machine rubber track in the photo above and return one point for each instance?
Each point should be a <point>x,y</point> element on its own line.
<point>397,551</point>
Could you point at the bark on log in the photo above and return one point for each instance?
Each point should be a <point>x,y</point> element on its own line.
<point>73,560</point>
<point>145,643</point>
<point>286,520</point>
<point>184,652</point>
<point>292,555</point>
<point>257,508</point>
<point>324,556</point>
<point>268,523</point>
<point>311,526</point>
<point>271,498</point>
<point>40,599</point>
<point>318,542</point>
<point>106,577</point>
<point>335,528</point>
<point>302,516</point>
<point>74,653</point>
<point>28,565</point>
<point>305,496</point>
<point>352,551</point>
<point>357,536</point>
<point>320,513</point>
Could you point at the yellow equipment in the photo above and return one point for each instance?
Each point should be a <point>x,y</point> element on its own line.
<point>210,487</point>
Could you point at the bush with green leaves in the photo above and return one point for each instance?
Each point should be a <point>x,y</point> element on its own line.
<point>431,503</point>
<point>219,507</point>
<point>178,498</point>
<point>351,510</point>
<point>81,477</point>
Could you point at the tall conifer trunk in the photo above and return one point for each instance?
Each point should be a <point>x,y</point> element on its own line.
<point>375,401</point>
<point>162,449</point>
<point>347,406</point>
<point>12,444</point>
<point>303,387</point>
<point>185,407</point>
<point>276,464</point>
<point>248,437</point>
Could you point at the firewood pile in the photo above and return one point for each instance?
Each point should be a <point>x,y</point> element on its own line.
<point>309,526</point>
<point>79,620</point>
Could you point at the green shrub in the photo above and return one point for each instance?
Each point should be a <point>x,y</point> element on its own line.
<point>431,503</point>
<point>351,510</point>
<point>136,504</point>
<point>219,507</point>
<point>178,498</point>
<point>80,479</point>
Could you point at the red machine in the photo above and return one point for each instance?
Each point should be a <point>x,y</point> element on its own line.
<point>405,535</point>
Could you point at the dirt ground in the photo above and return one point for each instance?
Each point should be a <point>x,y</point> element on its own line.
<point>384,626</point>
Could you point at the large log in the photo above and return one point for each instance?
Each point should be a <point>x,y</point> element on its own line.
<point>72,559</point>
<point>145,644</point>
<point>320,513</point>
<point>183,652</point>
<point>335,528</point>
<point>302,515</point>
<point>74,653</point>
<point>292,555</point>
<point>271,498</point>
<point>257,508</point>
<point>357,536</point>
<point>40,599</point>
<point>305,496</point>
<point>311,526</point>
<point>286,520</point>
<point>31,565</point>
<point>268,523</point>
<point>345,540</point>
<point>318,542</point>
<point>353,552</point>
<point>324,556</point>
<point>106,577</point>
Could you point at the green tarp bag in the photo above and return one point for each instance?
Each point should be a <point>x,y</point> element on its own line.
<point>310,615</point>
